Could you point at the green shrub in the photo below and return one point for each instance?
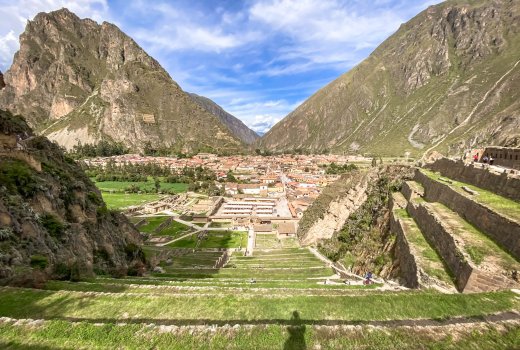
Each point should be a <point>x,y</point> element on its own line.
<point>94,198</point>
<point>18,177</point>
<point>39,261</point>
<point>53,226</point>
<point>62,271</point>
<point>75,273</point>
<point>5,233</point>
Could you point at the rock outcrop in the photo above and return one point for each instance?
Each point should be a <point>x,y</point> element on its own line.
<point>79,81</point>
<point>53,221</point>
<point>348,197</point>
<point>235,125</point>
<point>445,81</point>
<point>360,238</point>
<point>2,83</point>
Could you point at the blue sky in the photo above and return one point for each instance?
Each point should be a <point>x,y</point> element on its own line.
<point>259,59</point>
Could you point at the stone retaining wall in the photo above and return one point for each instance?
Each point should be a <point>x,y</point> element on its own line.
<point>408,270</point>
<point>504,231</point>
<point>442,240</point>
<point>503,184</point>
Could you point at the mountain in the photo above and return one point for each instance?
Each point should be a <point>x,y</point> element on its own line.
<point>2,83</point>
<point>235,125</point>
<point>446,80</point>
<point>53,221</point>
<point>79,81</point>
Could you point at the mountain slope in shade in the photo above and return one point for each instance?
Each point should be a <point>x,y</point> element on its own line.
<point>235,125</point>
<point>53,220</point>
<point>446,80</point>
<point>78,81</point>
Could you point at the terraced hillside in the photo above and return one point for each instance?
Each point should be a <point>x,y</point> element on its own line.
<point>275,299</point>
<point>456,234</point>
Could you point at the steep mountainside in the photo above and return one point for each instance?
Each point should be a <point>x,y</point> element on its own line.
<point>234,124</point>
<point>446,80</point>
<point>2,83</point>
<point>53,221</point>
<point>78,81</point>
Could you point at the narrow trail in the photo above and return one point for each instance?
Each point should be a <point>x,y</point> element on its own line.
<point>470,115</point>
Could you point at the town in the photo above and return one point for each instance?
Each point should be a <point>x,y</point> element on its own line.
<point>267,194</point>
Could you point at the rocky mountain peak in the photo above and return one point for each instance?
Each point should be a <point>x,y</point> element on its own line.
<point>79,81</point>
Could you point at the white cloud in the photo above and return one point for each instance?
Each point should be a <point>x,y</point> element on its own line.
<point>14,15</point>
<point>326,33</point>
<point>263,123</point>
<point>175,28</point>
<point>8,45</point>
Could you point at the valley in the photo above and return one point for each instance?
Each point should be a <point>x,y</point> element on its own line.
<point>382,212</point>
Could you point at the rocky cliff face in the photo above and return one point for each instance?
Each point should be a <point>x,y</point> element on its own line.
<point>78,81</point>
<point>328,214</point>
<point>235,125</point>
<point>53,221</point>
<point>446,80</point>
<point>356,224</point>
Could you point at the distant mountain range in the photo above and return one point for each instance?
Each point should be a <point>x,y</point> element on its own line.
<point>78,81</point>
<point>446,80</point>
<point>235,125</point>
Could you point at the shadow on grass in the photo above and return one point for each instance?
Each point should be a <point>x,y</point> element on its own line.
<point>296,340</point>
<point>15,346</point>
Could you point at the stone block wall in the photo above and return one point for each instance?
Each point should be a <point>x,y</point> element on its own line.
<point>503,230</point>
<point>503,184</point>
<point>504,156</point>
<point>440,237</point>
<point>407,265</point>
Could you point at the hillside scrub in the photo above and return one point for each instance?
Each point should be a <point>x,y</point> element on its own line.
<point>365,243</point>
<point>331,193</point>
<point>53,222</point>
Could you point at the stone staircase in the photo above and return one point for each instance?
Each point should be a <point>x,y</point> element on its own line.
<point>432,214</point>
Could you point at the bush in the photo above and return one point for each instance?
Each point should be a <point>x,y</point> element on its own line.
<point>75,272</point>
<point>62,271</point>
<point>18,177</point>
<point>5,233</point>
<point>53,226</point>
<point>94,198</point>
<point>39,261</point>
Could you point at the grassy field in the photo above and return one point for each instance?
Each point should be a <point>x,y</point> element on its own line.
<point>117,186</point>
<point>194,306</point>
<point>153,222</point>
<point>121,200</point>
<point>214,239</point>
<point>174,229</point>
<point>60,335</point>
<point>243,308</point>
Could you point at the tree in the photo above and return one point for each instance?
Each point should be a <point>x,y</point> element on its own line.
<point>230,177</point>
<point>157,184</point>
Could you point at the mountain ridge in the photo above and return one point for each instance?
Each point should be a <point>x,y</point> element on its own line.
<point>79,81</point>
<point>446,80</point>
<point>235,125</point>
